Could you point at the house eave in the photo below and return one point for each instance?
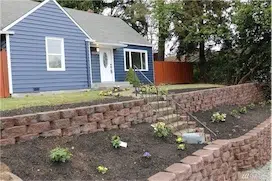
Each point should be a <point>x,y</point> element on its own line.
<point>107,45</point>
<point>6,32</point>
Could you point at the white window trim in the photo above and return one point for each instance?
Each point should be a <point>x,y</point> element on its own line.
<point>62,53</point>
<point>130,61</point>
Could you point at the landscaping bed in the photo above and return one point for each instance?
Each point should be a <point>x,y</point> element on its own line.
<point>177,91</point>
<point>30,160</point>
<point>44,108</point>
<point>233,126</point>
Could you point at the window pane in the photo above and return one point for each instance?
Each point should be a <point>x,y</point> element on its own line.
<point>54,46</point>
<point>54,61</point>
<point>127,60</point>
<point>136,59</point>
<point>143,59</point>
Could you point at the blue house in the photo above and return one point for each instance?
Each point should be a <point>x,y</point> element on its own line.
<point>51,48</point>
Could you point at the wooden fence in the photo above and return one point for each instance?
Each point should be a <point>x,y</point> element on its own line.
<point>4,84</point>
<point>173,72</point>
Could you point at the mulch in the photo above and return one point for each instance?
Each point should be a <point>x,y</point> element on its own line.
<point>30,160</point>
<point>34,109</point>
<point>234,127</point>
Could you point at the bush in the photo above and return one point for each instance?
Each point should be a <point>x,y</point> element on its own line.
<point>132,78</point>
<point>115,141</point>
<point>161,130</point>
<point>235,113</point>
<point>217,117</point>
<point>60,154</point>
<point>243,110</point>
<point>102,169</point>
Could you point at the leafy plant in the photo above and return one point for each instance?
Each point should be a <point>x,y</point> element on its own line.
<point>160,129</point>
<point>105,93</point>
<point>132,78</point>
<point>102,169</point>
<point>60,154</point>
<point>243,110</point>
<point>235,113</point>
<point>251,106</point>
<point>262,103</point>
<point>147,155</point>
<point>115,141</point>
<point>179,139</point>
<point>217,117</point>
<point>181,147</point>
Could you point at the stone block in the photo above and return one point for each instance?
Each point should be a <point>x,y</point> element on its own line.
<point>162,176</point>
<point>182,171</point>
<point>26,119</point>
<point>102,108</point>
<point>60,123</point>
<point>14,131</point>
<point>28,137</point>
<point>54,132</point>
<point>68,113</point>
<point>195,162</point>
<point>38,127</point>
<point>96,117</point>
<point>49,116</point>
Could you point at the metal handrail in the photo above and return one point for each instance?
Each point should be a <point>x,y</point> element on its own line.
<point>189,114</point>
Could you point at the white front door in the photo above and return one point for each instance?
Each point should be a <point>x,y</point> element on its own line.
<point>106,65</point>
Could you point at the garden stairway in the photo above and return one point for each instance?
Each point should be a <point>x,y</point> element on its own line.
<point>178,123</point>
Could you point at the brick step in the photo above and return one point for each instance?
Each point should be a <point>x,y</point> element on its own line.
<point>164,111</point>
<point>159,104</point>
<point>190,130</point>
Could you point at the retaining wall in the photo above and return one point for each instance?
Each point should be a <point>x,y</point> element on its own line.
<point>82,120</point>
<point>222,159</point>
<point>209,98</point>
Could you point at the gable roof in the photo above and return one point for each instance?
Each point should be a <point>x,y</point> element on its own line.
<point>104,29</point>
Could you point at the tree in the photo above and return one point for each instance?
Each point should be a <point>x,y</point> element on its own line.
<point>197,23</point>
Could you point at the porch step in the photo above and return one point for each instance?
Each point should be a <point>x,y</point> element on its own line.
<point>159,104</point>
<point>106,85</point>
<point>164,111</point>
<point>190,130</point>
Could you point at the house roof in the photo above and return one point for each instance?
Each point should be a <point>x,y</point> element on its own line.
<point>104,29</point>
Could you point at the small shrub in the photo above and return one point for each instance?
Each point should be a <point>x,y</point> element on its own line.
<point>179,139</point>
<point>102,169</point>
<point>217,117</point>
<point>161,130</point>
<point>235,113</point>
<point>147,155</point>
<point>181,147</point>
<point>105,93</point>
<point>262,103</point>
<point>132,78</point>
<point>243,110</point>
<point>60,154</point>
<point>251,106</point>
<point>115,141</point>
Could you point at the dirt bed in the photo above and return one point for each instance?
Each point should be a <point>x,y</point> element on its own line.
<point>34,109</point>
<point>234,127</point>
<point>177,91</point>
<point>30,160</point>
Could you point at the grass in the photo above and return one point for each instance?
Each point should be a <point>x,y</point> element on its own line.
<point>53,99</point>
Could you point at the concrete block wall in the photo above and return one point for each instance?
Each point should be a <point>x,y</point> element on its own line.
<point>82,120</point>
<point>222,159</point>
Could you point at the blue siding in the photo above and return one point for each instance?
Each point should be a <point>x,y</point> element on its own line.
<point>28,57</point>
<point>95,67</point>
<point>120,73</point>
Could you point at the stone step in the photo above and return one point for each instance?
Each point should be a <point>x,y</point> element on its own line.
<point>152,98</point>
<point>169,118</point>
<point>164,111</point>
<point>189,130</point>
<point>159,104</point>
<point>178,125</point>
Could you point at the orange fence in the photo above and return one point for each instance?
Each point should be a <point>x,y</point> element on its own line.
<point>173,72</point>
<point>4,84</point>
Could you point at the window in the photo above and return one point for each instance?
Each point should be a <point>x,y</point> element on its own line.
<point>55,58</point>
<point>136,58</point>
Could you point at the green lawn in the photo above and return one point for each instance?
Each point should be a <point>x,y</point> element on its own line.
<point>53,99</point>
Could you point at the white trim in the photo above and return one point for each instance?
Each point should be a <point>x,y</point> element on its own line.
<point>62,54</point>
<point>130,60</point>
<point>107,45</point>
<point>89,40</point>
<point>138,44</point>
<point>25,15</point>
<point>90,64</point>
<point>72,19</point>
<point>9,64</point>
<point>7,32</point>
<point>113,70</point>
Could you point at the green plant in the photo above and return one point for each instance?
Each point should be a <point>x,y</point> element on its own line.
<point>105,93</point>
<point>217,117</point>
<point>243,110</point>
<point>115,141</point>
<point>179,139</point>
<point>102,169</point>
<point>251,106</point>
<point>160,129</point>
<point>235,113</point>
<point>132,78</point>
<point>60,154</point>
<point>181,147</point>
<point>163,91</point>
<point>262,103</point>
